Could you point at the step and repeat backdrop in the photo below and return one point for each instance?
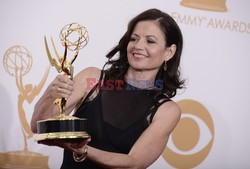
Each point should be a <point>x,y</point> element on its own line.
<point>213,130</point>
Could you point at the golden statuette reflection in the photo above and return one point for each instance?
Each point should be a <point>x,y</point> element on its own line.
<point>17,62</point>
<point>210,5</point>
<point>65,128</point>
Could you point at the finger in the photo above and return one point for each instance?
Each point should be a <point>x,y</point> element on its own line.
<point>61,91</point>
<point>63,145</point>
<point>64,79</point>
<point>81,150</point>
<point>66,86</point>
<point>77,147</point>
<point>84,142</point>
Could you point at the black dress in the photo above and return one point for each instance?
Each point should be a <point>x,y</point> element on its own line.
<point>116,119</point>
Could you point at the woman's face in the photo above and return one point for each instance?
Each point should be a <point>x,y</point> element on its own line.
<point>146,49</point>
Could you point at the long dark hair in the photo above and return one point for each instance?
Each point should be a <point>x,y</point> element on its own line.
<point>171,77</point>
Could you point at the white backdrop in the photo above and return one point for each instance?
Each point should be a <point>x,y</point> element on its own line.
<point>215,63</point>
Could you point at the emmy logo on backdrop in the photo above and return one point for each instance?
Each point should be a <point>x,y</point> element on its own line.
<point>64,128</point>
<point>210,5</point>
<point>17,62</point>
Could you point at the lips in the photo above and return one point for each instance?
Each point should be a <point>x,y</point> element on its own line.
<point>139,56</point>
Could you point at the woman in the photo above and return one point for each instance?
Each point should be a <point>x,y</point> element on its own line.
<point>130,114</point>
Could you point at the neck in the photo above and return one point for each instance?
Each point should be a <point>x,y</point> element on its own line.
<point>141,78</point>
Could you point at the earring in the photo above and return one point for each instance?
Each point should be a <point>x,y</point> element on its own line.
<point>165,66</point>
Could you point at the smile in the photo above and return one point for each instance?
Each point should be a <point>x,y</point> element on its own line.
<point>139,56</point>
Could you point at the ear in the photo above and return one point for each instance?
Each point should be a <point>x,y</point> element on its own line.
<point>170,51</point>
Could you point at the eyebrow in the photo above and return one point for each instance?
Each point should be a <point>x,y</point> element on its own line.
<point>146,35</point>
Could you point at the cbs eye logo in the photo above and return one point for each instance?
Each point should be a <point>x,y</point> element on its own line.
<point>192,139</point>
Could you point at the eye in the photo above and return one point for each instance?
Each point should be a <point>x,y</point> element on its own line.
<point>132,39</point>
<point>150,41</point>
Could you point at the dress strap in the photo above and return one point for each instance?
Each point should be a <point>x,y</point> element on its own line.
<point>155,108</point>
<point>96,86</point>
<point>82,103</point>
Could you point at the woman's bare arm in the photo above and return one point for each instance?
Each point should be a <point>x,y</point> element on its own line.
<point>73,91</point>
<point>147,148</point>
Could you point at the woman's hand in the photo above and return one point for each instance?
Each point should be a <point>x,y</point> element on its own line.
<point>61,87</point>
<point>73,146</point>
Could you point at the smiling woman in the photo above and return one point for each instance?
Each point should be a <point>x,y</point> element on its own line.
<point>146,49</point>
<point>123,121</point>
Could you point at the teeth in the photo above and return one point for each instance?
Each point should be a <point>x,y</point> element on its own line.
<point>139,56</point>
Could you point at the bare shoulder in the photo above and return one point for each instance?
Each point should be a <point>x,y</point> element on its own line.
<point>89,72</point>
<point>168,115</point>
<point>170,107</point>
<point>82,78</point>
<point>81,86</point>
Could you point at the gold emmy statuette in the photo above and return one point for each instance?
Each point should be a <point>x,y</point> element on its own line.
<point>65,128</point>
<point>210,5</point>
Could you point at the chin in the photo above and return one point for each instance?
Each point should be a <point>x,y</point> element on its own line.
<point>137,67</point>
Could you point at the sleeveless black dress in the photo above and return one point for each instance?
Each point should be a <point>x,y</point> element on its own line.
<point>116,119</point>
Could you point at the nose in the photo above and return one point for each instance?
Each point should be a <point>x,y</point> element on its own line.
<point>139,44</point>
